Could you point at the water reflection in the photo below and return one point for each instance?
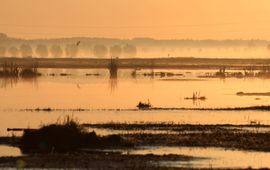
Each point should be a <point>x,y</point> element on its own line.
<point>113,84</point>
<point>11,82</point>
<point>215,157</point>
<point>8,82</point>
<point>9,151</point>
<point>62,91</point>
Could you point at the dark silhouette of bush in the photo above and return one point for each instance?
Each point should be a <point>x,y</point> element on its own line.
<point>26,50</point>
<point>115,51</point>
<point>29,73</point>
<point>100,51</point>
<point>13,51</point>
<point>42,50</point>
<point>65,137</point>
<point>55,137</point>
<point>56,51</point>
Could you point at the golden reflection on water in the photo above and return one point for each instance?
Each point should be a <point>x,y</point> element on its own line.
<point>213,157</point>
<point>101,92</point>
<point>124,92</point>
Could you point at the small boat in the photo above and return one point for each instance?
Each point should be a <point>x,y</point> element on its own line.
<point>144,106</point>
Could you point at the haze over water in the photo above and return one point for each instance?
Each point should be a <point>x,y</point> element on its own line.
<point>163,66</point>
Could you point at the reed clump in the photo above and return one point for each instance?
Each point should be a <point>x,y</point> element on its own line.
<point>11,70</point>
<point>65,137</point>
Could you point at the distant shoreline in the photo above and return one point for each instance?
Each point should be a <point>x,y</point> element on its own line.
<point>142,63</point>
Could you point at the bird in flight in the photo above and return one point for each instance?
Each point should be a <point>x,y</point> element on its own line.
<point>78,43</point>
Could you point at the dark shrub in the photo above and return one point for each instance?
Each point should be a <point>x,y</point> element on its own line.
<point>66,137</point>
<point>53,138</point>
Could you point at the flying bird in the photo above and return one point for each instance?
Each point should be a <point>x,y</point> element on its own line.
<point>78,43</point>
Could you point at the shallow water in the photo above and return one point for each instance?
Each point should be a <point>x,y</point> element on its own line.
<point>80,91</point>
<point>9,151</point>
<point>18,119</point>
<point>214,157</point>
<point>99,93</point>
<point>208,157</point>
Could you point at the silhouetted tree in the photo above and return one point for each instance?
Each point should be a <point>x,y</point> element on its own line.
<point>13,51</point>
<point>115,51</point>
<point>2,51</point>
<point>100,50</point>
<point>3,36</point>
<point>268,47</point>
<point>56,51</point>
<point>42,50</point>
<point>26,50</point>
<point>130,50</point>
<point>71,50</point>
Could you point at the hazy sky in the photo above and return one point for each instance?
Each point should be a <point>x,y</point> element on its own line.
<point>163,19</point>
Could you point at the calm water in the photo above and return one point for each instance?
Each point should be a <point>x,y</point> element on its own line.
<point>9,151</point>
<point>115,100</point>
<point>92,92</point>
<point>207,157</point>
<point>80,91</point>
<point>213,157</point>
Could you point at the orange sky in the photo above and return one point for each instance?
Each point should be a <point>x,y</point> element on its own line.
<point>162,19</point>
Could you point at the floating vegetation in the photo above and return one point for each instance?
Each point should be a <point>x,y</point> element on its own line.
<point>182,79</point>
<point>64,74</point>
<point>253,94</point>
<point>92,74</point>
<point>161,74</point>
<point>52,74</point>
<point>248,72</point>
<point>48,109</point>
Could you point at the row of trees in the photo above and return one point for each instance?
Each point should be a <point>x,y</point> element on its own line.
<point>71,50</point>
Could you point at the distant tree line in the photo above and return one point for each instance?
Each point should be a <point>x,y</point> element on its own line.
<point>70,50</point>
<point>115,51</point>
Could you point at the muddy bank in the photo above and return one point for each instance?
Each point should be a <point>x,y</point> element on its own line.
<point>244,137</point>
<point>253,137</point>
<point>95,160</point>
<point>174,127</point>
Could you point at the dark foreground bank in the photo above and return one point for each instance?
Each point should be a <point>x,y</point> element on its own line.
<point>254,137</point>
